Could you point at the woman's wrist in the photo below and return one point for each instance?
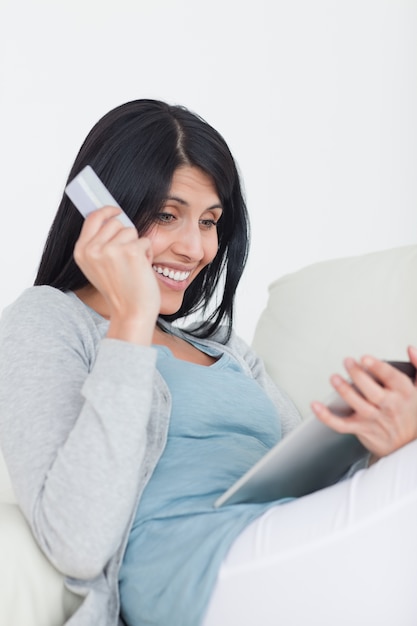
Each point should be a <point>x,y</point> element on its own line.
<point>135,330</point>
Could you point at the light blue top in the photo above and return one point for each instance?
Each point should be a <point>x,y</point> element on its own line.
<point>222,422</point>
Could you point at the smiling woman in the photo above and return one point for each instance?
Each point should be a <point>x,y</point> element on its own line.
<point>149,154</point>
<point>120,430</point>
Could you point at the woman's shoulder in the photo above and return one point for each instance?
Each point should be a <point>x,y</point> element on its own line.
<point>42,296</point>
<point>49,309</point>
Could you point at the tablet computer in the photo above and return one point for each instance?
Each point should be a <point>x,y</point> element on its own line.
<point>311,457</point>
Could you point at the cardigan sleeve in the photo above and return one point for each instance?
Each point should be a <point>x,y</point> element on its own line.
<point>73,428</point>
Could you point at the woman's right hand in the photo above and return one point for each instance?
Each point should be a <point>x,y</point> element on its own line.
<point>118,264</point>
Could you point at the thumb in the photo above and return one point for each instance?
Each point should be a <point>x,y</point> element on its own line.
<point>412,353</point>
<point>147,247</point>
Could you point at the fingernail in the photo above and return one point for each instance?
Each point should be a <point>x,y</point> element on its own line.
<point>367,361</point>
<point>336,380</point>
<point>317,407</point>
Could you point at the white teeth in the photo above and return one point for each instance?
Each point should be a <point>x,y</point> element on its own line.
<point>174,275</point>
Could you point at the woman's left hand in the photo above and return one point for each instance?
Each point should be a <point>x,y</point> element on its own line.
<point>385,410</point>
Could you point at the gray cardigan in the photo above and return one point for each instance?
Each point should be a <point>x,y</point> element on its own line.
<point>83,422</point>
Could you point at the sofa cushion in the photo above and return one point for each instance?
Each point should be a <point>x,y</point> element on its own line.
<point>333,309</point>
<point>6,489</point>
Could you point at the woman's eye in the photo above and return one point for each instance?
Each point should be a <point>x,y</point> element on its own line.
<point>207,224</point>
<point>165,218</point>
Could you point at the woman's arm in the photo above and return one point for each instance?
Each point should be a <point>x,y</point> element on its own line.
<point>73,428</point>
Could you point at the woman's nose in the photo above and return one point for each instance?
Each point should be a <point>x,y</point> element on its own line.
<point>189,242</point>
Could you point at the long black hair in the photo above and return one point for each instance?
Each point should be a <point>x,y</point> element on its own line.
<point>135,150</point>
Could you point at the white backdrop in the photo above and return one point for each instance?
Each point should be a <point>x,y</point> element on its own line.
<point>316,99</point>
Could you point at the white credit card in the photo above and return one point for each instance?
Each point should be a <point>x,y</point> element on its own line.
<point>88,193</point>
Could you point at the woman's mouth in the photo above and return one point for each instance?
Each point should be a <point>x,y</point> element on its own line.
<point>175,275</point>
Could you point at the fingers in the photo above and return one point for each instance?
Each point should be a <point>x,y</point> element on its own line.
<point>100,228</point>
<point>335,422</point>
<point>359,391</point>
<point>388,377</point>
<point>104,223</point>
<point>366,388</point>
<point>370,380</point>
<point>384,403</point>
<point>95,221</point>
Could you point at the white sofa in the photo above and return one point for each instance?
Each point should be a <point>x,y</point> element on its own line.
<point>314,318</point>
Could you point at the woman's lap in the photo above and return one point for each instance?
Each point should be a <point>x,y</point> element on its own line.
<point>345,555</point>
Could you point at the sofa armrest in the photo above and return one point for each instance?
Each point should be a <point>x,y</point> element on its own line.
<point>32,591</point>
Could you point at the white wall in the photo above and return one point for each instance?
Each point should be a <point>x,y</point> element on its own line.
<point>316,99</point>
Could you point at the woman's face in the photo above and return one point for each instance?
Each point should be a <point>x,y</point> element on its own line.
<point>184,237</point>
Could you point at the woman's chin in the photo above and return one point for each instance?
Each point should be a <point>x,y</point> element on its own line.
<point>170,308</point>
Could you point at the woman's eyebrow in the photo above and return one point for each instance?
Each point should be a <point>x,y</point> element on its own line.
<point>185,203</point>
